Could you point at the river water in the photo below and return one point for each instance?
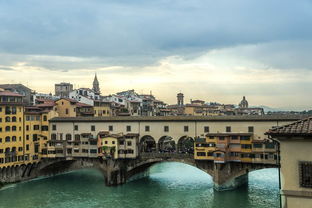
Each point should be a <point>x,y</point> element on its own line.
<point>169,185</point>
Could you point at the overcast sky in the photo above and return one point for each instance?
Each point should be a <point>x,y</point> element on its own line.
<point>207,49</point>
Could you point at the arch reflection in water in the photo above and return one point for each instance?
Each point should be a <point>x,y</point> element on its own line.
<point>174,185</point>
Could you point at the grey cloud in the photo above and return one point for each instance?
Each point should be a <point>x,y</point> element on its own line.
<point>141,32</point>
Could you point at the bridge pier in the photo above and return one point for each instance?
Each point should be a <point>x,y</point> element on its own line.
<point>229,176</point>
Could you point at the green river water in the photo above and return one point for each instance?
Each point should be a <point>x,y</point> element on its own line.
<point>169,185</point>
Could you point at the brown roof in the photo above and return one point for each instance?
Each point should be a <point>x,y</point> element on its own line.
<point>9,93</point>
<point>298,128</point>
<point>83,105</point>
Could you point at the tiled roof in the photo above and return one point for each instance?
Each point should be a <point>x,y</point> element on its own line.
<point>9,93</point>
<point>298,128</point>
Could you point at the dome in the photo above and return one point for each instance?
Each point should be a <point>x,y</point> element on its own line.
<point>243,103</point>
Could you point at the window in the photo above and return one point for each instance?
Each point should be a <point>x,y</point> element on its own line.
<point>113,142</point>
<point>76,127</point>
<point>166,128</point>
<point>201,154</point>
<point>234,137</point>
<point>13,138</point>
<point>27,147</point>
<point>36,127</point>
<point>121,142</point>
<point>27,127</point>
<point>305,174</point>
<point>110,128</point>
<point>68,137</point>
<point>44,128</point>
<point>27,118</point>
<point>257,145</point>
<point>129,143</point>
<point>228,129</point>
<point>13,119</point>
<point>27,137</point>
<point>147,128</point>
<point>221,138</point>
<point>77,137</point>
<point>35,137</point>
<point>13,110</point>
<point>246,146</point>
<point>206,129</point>
<point>66,111</point>
<point>7,128</point>
<point>186,128</point>
<point>105,142</point>
<point>45,118</point>
<point>0,140</point>
<point>245,138</point>
<point>13,128</point>
<point>7,139</point>
<point>53,136</point>
<point>92,128</point>
<point>7,119</point>
<point>7,110</point>
<point>54,127</point>
<point>270,145</point>
<point>128,128</point>
<point>1,151</point>
<point>250,129</point>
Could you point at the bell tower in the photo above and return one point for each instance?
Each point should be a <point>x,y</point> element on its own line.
<point>96,86</point>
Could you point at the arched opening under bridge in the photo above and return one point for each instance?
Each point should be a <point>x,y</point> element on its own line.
<point>166,144</point>
<point>186,145</point>
<point>147,144</point>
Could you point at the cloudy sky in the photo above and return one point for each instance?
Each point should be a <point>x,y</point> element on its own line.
<point>207,49</point>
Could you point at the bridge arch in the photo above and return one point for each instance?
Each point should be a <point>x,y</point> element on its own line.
<point>147,144</point>
<point>144,165</point>
<point>166,144</point>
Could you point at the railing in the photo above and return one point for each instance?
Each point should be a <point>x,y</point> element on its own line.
<point>166,155</point>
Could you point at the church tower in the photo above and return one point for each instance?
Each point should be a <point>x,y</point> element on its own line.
<point>96,86</point>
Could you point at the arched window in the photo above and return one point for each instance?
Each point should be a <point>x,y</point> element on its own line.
<point>13,138</point>
<point>13,149</point>
<point>45,118</point>
<point>7,119</point>
<point>7,139</point>
<point>13,119</point>
<point>53,136</point>
<point>7,150</point>
<point>77,137</point>
<point>68,137</point>
<point>13,128</point>
<point>7,128</point>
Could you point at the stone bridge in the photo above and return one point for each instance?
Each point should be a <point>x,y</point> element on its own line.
<point>225,175</point>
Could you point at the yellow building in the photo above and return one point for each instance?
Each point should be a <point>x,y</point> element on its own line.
<point>204,148</point>
<point>102,108</point>
<point>11,129</point>
<point>295,145</point>
<point>108,145</point>
<point>66,107</point>
<point>36,130</point>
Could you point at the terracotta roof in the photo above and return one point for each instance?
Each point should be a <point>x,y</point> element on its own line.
<point>47,104</point>
<point>9,93</point>
<point>68,99</point>
<point>83,105</point>
<point>298,128</point>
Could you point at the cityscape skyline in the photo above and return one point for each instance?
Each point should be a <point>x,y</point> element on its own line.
<point>204,49</point>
